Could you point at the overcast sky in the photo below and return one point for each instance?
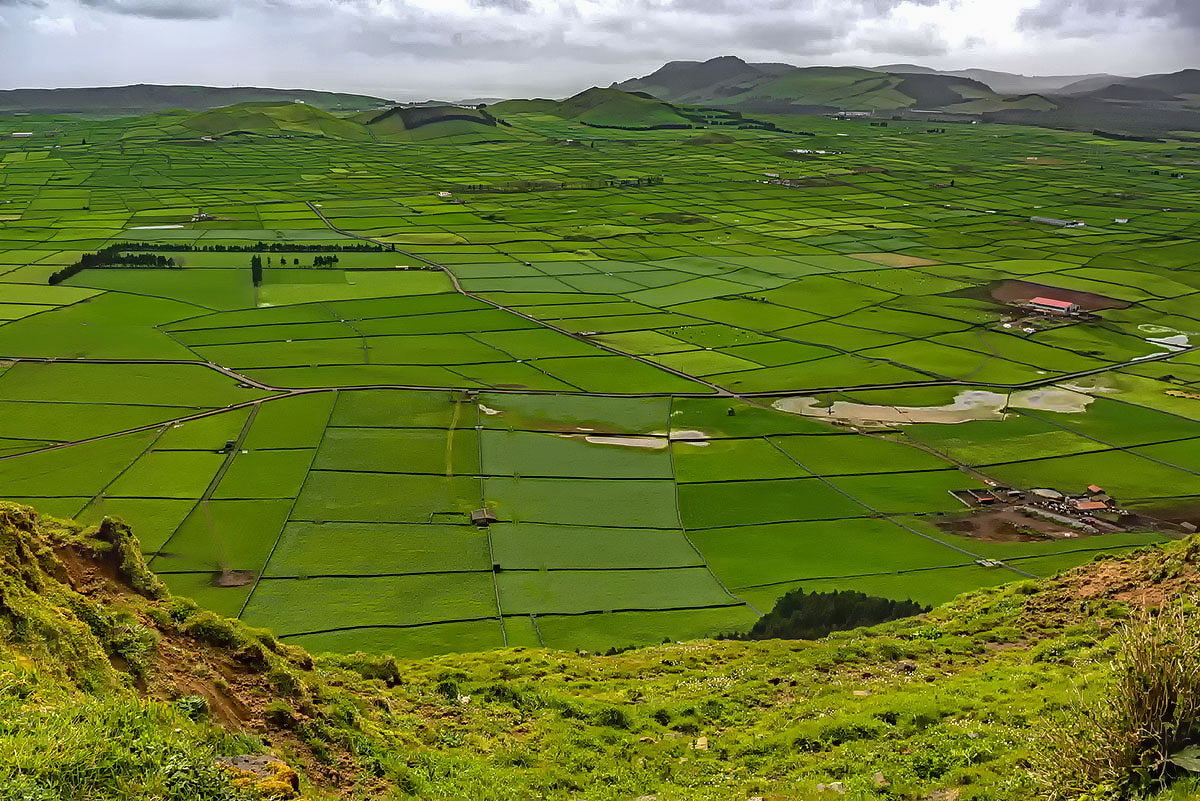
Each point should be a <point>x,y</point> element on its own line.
<point>452,49</point>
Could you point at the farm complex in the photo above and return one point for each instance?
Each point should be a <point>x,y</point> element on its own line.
<point>418,384</point>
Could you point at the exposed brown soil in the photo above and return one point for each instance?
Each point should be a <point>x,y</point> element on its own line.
<point>1013,291</point>
<point>1005,524</point>
<point>1157,579</point>
<point>236,688</point>
<point>1016,291</point>
<point>234,578</point>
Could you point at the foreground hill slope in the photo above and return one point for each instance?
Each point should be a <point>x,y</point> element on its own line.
<point>112,689</point>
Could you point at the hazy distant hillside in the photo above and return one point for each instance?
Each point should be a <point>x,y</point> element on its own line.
<point>1150,104</point>
<point>146,98</point>
<point>1009,83</point>
<point>729,81</point>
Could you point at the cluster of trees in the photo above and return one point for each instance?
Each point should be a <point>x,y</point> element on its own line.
<point>325,261</point>
<point>801,615</point>
<point>111,257</point>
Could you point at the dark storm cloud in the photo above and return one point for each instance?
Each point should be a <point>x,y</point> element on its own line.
<point>1084,17</point>
<point>163,9</point>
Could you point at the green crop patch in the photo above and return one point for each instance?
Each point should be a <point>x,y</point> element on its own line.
<point>166,474</point>
<point>574,592</point>
<point>398,450</point>
<point>221,536</point>
<point>386,498</point>
<point>628,503</point>
<point>264,474</point>
<point>298,606</point>
<point>535,546</point>
<point>533,454</point>
<point>371,549</point>
<point>783,552</point>
<point>742,503</point>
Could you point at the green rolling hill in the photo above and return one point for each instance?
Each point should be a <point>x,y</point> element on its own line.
<point>148,98</point>
<point>603,108</point>
<point>415,124</point>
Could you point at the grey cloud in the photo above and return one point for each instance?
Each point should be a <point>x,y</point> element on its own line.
<point>1186,11</point>
<point>1087,17</point>
<point>515,6</point>
<point>801,37</point>
<point>164,9</point>
<point>910,43</point>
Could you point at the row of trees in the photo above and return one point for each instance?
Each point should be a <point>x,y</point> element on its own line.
<point>119,256</point>
<point>114,257</point>
<point>257,247</point>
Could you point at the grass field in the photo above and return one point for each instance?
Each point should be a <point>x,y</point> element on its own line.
<point>596,335</point>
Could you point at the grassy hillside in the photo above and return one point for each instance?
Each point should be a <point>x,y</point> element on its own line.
<point>270,118</point>
<point>112,689</point>
<point>1150,103</point>
<point>147,98</point>
<point>417,124</point>
<point>427,123</point>
<point>605,108</point>
<point>741,85</point>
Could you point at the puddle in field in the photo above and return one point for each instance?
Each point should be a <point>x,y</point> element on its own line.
<point>1173,343</point>
<point>650,443</point>
<point>967,406</point>
<point>489,411</point>
<point>1052,399</point>
<point>690,436</point>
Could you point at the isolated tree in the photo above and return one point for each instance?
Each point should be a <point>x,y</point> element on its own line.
<point>256,269</point>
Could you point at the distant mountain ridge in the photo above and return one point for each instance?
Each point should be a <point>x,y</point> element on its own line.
<point>1009,83</point>
<point>148,98</point>
<point>1144,104</point>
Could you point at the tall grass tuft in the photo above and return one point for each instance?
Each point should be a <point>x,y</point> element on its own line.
<point>1121,744</point>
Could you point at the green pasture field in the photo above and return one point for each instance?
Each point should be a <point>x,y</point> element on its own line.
<point>590,361</point>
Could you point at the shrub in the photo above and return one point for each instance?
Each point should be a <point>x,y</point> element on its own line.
<point>801,615</point>
<point>193,707</point>
<point>1122,743</point>
<point>613,716</point>
<point>212,629</point>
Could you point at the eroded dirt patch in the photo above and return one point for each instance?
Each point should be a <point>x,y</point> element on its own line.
<point>1005,525</point>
